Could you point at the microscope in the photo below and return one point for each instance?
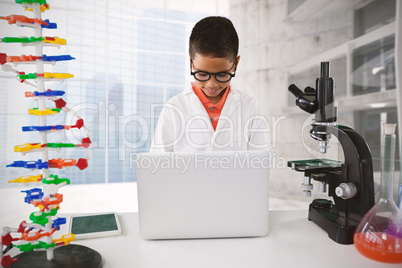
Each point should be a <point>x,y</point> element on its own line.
<point>351,182</point>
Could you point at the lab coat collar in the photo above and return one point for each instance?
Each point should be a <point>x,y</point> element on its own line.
<point>231,105</point>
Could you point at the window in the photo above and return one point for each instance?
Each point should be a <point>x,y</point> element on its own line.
<point>129,56</point>
<point>373,63</point>
<point>373,16</point>
<point>374,66</point>
<point>364,72</point>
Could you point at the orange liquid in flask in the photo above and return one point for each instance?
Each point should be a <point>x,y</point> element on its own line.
<point>379,246</point>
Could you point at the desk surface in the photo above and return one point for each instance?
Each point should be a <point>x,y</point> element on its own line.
<point>293,241</point>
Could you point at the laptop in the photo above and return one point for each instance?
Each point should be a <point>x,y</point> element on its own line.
<point>203,194</point>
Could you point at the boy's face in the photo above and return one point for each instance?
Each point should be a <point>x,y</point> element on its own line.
<point>212,88</point>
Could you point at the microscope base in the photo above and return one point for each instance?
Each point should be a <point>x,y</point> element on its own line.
<point>325,214</point>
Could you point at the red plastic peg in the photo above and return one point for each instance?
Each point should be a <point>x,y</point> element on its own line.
<point>86,142</point>
<point>82,163</point>
<point>79,123</point>
<point>6,261</point>
<point>7,239</point>
<point>3,58</point>
<point>60,103</point>
<point>21,228</point>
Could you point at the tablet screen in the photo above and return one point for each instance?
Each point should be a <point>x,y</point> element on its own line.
<point>95,225</point>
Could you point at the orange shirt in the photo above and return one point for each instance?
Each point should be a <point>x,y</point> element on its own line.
<point>213,110</point>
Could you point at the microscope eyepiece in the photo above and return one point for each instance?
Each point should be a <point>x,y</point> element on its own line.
<point>295,90</point>
<point>306,100</point>
<point>325,69</point>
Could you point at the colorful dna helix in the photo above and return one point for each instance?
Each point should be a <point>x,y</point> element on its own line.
<point>39,233</point>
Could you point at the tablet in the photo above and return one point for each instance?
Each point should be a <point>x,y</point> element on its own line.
<point>94,225</point>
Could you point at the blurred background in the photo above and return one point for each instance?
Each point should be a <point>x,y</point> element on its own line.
<point>132,56</point>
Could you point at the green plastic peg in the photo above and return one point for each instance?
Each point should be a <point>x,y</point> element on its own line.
<point>42,2</point>
<point>41,218</point>
<point>22,39</point>
<point>27,76</point>
<point>54,110</point>
<point>55,180</point>
<point>60,145</point>
<point>15,39</point>
<point>29,246</point>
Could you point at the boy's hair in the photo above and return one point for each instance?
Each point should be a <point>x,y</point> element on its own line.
<point>216,37</point>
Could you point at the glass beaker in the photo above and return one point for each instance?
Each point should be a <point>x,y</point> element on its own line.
<point>379,234</point>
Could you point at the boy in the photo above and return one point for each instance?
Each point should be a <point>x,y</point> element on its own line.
<point>211,115</point>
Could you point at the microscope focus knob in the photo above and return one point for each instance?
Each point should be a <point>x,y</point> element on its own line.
<point>346,190</point>
<point>307,186</point>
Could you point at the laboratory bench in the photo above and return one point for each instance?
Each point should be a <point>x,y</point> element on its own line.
<point>292,241</point>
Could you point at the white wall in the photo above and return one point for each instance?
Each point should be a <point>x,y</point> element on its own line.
<point>270,43</point>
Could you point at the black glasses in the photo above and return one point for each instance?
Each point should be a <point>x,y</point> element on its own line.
<point>203,76</point>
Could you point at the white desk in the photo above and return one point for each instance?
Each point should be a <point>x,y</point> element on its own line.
<point>293,241</point>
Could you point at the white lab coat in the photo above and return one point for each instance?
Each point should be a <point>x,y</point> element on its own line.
<point>184,125</point>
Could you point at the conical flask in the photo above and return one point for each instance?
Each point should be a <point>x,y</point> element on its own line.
<point>379,234</point>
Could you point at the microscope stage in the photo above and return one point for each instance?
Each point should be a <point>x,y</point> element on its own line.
<point>314,164</point>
